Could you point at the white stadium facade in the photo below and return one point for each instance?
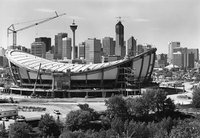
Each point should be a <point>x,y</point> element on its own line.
<point>48,78</point>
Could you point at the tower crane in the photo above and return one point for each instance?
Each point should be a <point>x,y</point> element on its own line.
<point>11,28</point>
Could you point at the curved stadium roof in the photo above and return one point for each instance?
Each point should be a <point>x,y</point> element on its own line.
<point>32,62</point>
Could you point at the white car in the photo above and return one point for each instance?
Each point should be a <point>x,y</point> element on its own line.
<point>57,112</point>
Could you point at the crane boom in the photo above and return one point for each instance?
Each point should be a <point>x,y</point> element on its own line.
<point>11,28</point>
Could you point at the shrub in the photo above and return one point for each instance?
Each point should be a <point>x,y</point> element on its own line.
<point>78,119</point>
<point>48,126</point>
<point>116,107</point>
<point>196,98</point>
<point>20,130</point>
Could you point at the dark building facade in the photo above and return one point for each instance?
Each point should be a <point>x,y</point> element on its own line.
<point>191,59</point>
<point>58,45</point>
<point>120,49</point>
<point>140,49</point>
<point>162,60</point>
<point>93,50</point>
<point>46,40</point>
<point>131,46</point>
<point>108,46</point>
<point>81,50</point>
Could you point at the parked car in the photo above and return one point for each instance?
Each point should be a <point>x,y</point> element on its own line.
<point>57,112</point>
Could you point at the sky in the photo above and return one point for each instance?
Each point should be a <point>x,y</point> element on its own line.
<point>155,22</point>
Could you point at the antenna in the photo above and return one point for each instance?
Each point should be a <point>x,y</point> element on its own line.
<point>121,18</point>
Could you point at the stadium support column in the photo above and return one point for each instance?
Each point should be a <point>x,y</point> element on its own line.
<point>53,83</point>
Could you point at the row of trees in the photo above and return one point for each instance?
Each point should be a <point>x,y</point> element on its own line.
<point>151,115</point>
<point>48,127</point>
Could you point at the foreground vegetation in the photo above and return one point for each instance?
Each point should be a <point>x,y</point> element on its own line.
<point>151,115</point>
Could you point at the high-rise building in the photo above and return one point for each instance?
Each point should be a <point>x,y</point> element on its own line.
<point>162,60</point>
<point>46,40</point>
<point>177,59</point>
<point>120,49</point>
<point>93,50</point>
<point>38,49</point>
<point>183,51</point>
<point>49,55</point>
<point>131,46</point>
<point>140,49</point>
<point>171,47</point>
<point>58,45</point>
<point>81,50</point>
<point>196,53</point>
<point>67,48</point>
<point>190,60</point>
<point>76,51</point>
<point>3,59</point>
<point>108,46</point>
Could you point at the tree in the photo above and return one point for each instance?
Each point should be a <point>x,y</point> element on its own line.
<point>158,101</point>
<point>78,119</point>
<point>137,106</point>
<point>3,132</point>
<point>196,97</point>
<point>85,107</point>
<point>48,126</point>
<point>169,106</point>
<point>116,107</point>
<point>20,130</point>
<point>74,134</point>
<point>186,129</point>
<point>117,125</point>
<point>136,130</point>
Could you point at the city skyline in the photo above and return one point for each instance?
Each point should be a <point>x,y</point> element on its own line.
<point>155,22</point>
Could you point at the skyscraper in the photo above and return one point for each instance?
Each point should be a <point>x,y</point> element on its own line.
<point>108,46</point>
<point>67,48</point>
<point>46,40</point>
<point>81,50</point>
<point>131,46</point>
<point>162,60</point>
<point>38,49</point>
<point>58,45</point>
<point>140,49</point>
<point>183,51</point>
<point>93,50</point>
<point>196,53</point>
<point>171,47</point>
<point>177,59</point>
<point>120,48</point>
<point>190,60</point>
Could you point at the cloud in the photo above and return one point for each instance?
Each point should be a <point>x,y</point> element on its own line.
<point>141,20</point>
<point>45,10</point>
<point>155,29</point>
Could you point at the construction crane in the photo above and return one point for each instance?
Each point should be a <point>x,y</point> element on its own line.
<point>11,28</point>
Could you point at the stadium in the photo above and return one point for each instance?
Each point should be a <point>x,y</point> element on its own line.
<point>39,76</point>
